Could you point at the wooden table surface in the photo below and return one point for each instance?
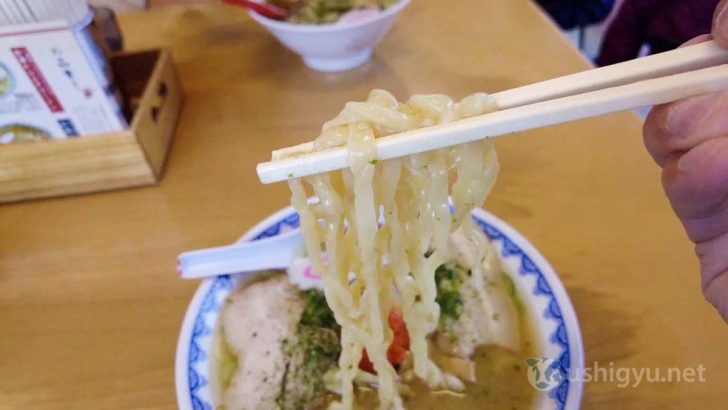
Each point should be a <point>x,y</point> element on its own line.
<point>90,304</point>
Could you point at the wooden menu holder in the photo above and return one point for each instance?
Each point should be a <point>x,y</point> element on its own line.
<point>133,157</point>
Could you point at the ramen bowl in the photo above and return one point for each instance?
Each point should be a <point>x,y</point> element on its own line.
<point>556,332</point>
<point>333,47</point>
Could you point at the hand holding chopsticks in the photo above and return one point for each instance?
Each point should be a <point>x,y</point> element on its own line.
<point>657,79</point>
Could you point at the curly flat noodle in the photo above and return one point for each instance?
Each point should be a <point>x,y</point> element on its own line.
<point>371,268</point>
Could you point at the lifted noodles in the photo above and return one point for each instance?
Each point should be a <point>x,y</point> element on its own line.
<point>371,268</point>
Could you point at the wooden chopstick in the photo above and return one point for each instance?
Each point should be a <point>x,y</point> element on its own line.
<point>677,61</point>
<point>659,65</point>
<point>653,80</point>
<point>685,59</point>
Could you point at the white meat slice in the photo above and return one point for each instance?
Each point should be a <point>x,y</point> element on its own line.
<point>255,322</point>
<point>489,314</point>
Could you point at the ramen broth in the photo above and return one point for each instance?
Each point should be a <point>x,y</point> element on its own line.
<point>501,383</point>
<point>501,380</point>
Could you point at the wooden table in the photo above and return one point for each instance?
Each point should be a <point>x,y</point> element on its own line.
<point>90,305</point>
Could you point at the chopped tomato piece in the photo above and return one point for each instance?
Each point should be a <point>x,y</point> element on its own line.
<point>397,351</point>
<point>366,364</point>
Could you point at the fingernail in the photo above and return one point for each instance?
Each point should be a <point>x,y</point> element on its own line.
<point>684,116</point>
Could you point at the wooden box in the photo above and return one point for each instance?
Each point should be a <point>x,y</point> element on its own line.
<point>128,158</point>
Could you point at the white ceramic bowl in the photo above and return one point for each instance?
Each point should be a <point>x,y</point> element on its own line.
<point>333,47</point>
<point>556,329</point>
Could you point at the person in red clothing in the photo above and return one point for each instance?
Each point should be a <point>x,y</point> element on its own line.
<point>661,24</point>
<point>689,140</point>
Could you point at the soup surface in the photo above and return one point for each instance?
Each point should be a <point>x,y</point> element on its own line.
<point>501,383</point>
<point>500,379</point>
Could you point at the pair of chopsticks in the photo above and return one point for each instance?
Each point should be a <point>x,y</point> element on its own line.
<point>658,79</point>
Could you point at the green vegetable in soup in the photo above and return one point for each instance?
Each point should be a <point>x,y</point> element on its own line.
<point>317,311</point>
<point>313,351</point>
<point>449,278</point>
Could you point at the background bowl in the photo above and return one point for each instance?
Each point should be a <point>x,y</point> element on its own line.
<point>556,329</point>
<point>331,47</point>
